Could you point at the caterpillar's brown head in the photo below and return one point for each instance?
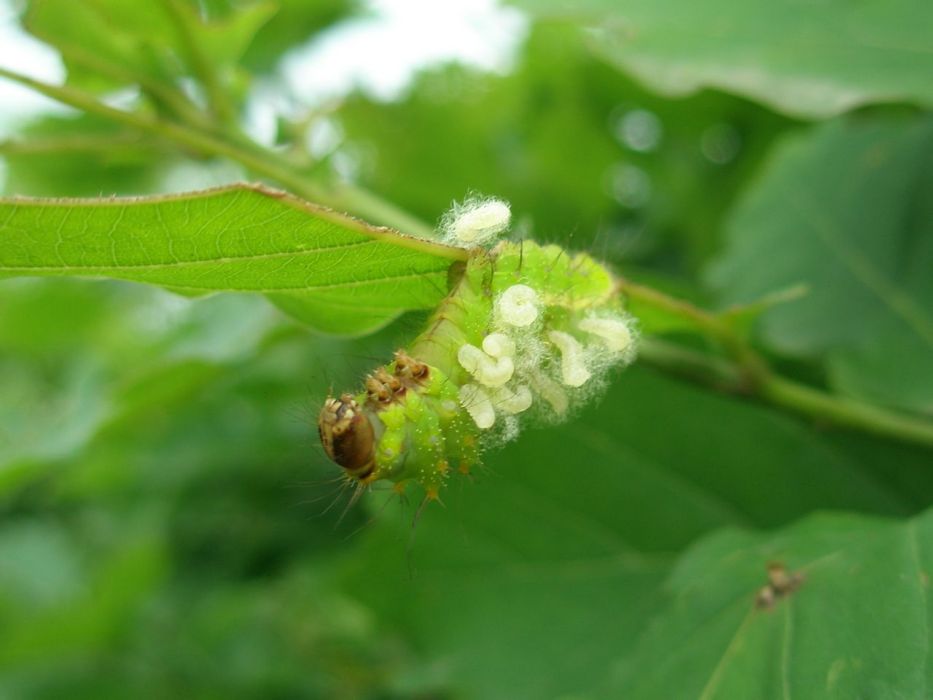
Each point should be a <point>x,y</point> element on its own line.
<point>347,436</point>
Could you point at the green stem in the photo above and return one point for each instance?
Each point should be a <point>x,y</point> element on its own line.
<point>699,367</point>
<point>844,411</point>
<point>707,323</point>
<point>731,377</point>
<point>220,104</point>
<point>116,143</point>
<point>160,93</point>
<point>261,161</point>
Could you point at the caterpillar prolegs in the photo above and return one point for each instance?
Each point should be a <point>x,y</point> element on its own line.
<point>526,331</point>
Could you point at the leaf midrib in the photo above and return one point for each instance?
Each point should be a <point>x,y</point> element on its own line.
<point>186,263</point>
<point>891,295</point>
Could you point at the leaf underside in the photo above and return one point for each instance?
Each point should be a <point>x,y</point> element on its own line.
<point>809,60</point>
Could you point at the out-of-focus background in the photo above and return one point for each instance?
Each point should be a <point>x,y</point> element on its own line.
<point>168,523</point>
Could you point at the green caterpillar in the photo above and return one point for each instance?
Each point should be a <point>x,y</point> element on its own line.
<point>527,330</point>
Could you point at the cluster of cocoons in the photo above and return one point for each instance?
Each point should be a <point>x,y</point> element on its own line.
<point>529,353</point>
<point>526,330</point>
<point>529,356</point>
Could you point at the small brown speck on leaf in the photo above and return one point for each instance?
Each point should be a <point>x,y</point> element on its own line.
<point>781,583</point>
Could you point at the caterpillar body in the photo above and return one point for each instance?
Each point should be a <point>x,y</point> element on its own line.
<point>526,330</point>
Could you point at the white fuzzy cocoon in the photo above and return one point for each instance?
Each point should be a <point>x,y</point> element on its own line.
<point>572,366</point>
<point>615,333</point>
<point>499,345</point>
<point>487,370</point>
<point>476,221</point>
<point>551,391</point>
<point>512,400</point>
<point>470,357</point>
<point>518,305</point>
<point>497,372</point>
<point>476,402</point>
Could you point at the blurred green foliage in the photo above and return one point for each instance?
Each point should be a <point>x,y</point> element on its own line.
<point>170,528</point>
<point>642,172</point>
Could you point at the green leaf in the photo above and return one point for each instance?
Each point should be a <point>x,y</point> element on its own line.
<point>333,272</point>
<point>294,23</point>
<point>127,44</point>
<point>845,209</point>
<point>804,59</point>
<point>857,626</point>
<point>536,579</point>
<point>225,41</point>
<point>108,43</point>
